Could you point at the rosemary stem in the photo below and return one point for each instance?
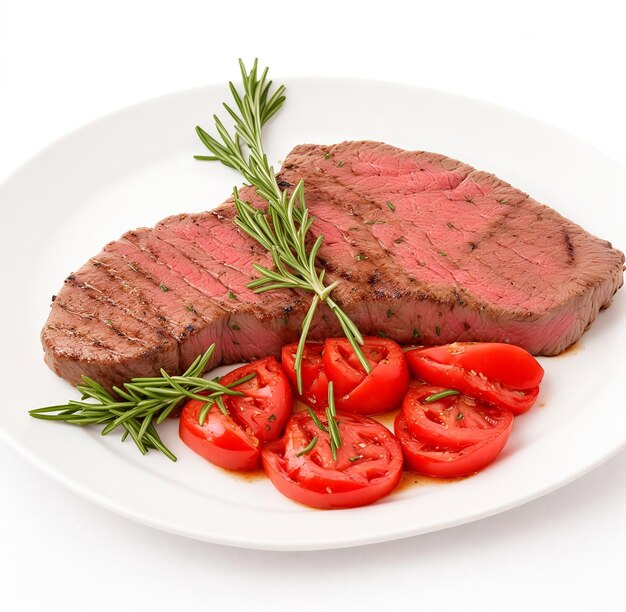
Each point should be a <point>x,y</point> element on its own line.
<point>306,325</point>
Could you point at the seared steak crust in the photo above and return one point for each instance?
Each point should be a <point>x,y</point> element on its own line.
<point>428,249</point>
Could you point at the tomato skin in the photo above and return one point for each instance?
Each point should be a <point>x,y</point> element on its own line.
<point>452,422</point>
<point>220,440</point>
<point>266,405</point>
<point>508,364</point>
<point>497,373</point>
<point>233,440</point>
<point>314,379</point>
<point>442,462</point>
<point>355,391</point>
<point>368,466</point>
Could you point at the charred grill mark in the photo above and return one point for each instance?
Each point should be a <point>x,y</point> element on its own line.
<point>366,247</point>
<point>244,270</point>
<point>148,251</point>
<point>374,284</point>
<point>457,296</point>
<point>145,315</point>
<point>217,272</point>
<point>174,292</point>
<point>569,246</point>
<point>116,331</point>
<point>95,294</point>
<point>326,265</point>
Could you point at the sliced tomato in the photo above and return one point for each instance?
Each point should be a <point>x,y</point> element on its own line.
<point>357,391</point>
<point>432,460</point>
<point>368,465</point>
<point>496,373</point>
<point>453,421</point>
<point>267,402</point>
<point>232,440</point>
<point>314,379</point>
<point>220,439</point>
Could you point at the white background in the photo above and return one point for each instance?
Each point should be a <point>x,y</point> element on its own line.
<point>65,63</point>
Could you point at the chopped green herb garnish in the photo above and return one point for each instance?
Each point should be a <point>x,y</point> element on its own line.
<point>391,207</point>
<point>450,225</point>
<point>375,222</point>
<point>361,256</point>
<point>340,164</point>
<point>163,287</point>
<point>235,327</point>
<point>271,417</point>
<point>416,333</point>
<point>390,313</point>
<point>333,424</point>
<point>327,155</point>
<point>459,416</point>
<point>231,296</point>
<point>308,448</point>
<point>437,330</point>
<point>190,308</point>
<point>443,253</point>
<point>437,396</point>
<point>355,458</point>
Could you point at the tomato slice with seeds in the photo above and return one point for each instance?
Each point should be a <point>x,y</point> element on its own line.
<point>496,373</point>
<point>267,402</point>
<point>233,440</point>
<point>368,465</point>
<point>441,462</point>
<point>314,379</point>
<point>356,391</point>
<point>454,421</point>
<point>220,439</point>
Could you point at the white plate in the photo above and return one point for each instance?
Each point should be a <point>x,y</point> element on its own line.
<point>134,167</point>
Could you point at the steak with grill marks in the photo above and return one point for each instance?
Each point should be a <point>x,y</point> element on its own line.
<point>428,250</point>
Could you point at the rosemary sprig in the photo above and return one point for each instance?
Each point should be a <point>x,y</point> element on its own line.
<point>142,403</point>
<point>283,228</point>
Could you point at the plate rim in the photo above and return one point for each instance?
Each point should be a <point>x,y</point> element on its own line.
<point>90,494</point>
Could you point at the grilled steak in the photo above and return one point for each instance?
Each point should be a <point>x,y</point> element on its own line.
<point>428,249</point>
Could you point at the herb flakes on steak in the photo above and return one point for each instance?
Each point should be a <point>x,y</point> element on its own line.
<point>426,248</point>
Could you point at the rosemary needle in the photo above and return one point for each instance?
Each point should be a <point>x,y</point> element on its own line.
<point>440,395</point>
<point>283,228</point>
<point>142,403</point>
<point>333,426</point>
